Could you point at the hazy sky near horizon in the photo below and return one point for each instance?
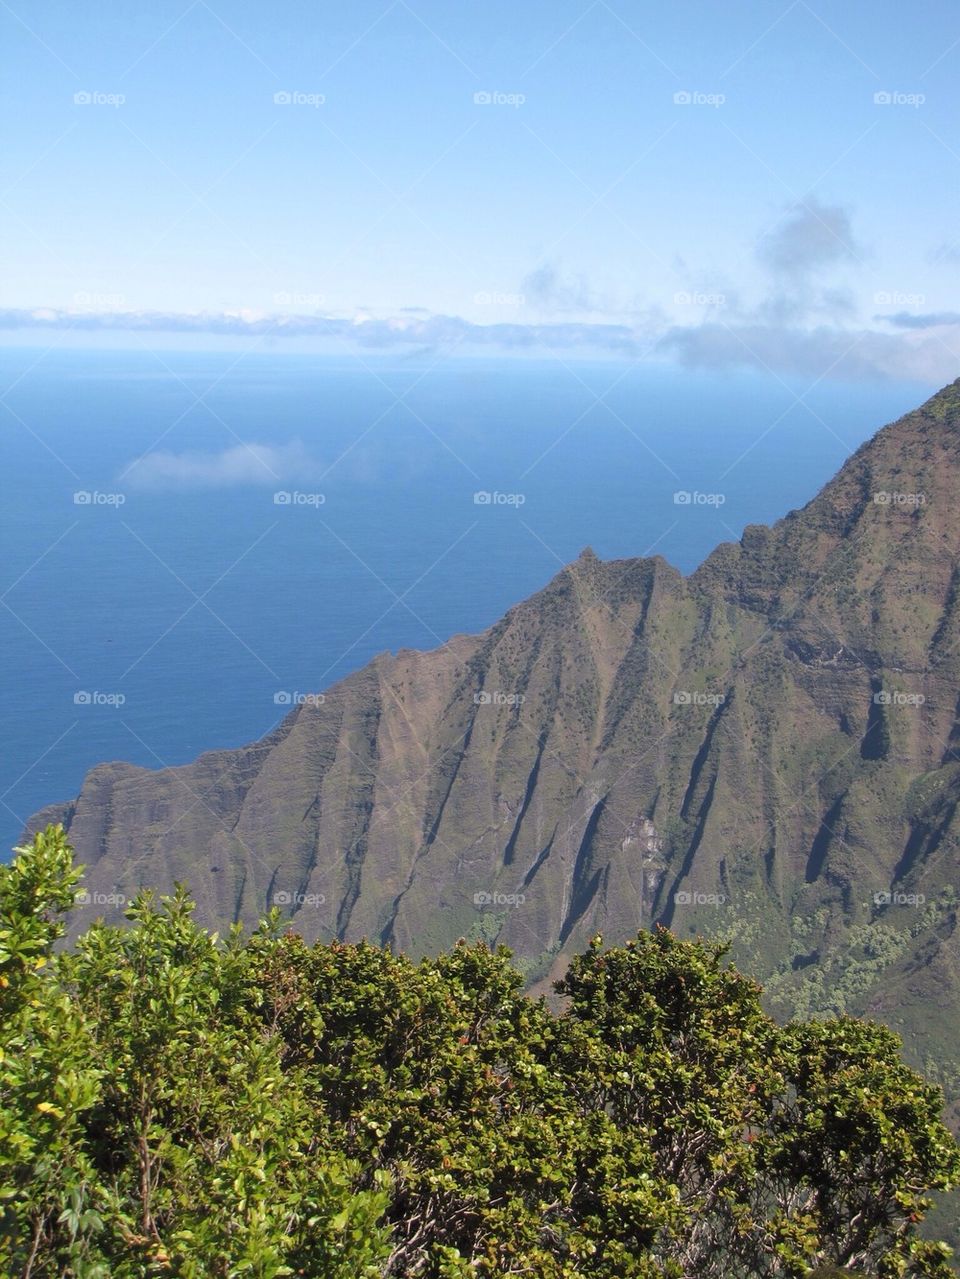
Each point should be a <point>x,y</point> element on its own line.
<point>766,183</point>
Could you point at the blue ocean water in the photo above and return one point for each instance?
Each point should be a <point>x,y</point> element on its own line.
<point>198,599</point>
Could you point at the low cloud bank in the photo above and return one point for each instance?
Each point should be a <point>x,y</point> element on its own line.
<point>924,347</point>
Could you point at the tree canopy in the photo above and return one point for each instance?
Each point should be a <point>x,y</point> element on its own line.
<point>176,1103</point>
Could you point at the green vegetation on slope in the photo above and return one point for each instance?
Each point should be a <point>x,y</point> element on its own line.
<point>176,1104</point>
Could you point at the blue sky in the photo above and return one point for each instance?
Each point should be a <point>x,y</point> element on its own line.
<point>771,184</point>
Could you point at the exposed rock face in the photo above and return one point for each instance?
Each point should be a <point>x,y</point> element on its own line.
<point>762,750</point>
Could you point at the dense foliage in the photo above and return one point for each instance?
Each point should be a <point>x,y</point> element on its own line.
<point>172,1103</point>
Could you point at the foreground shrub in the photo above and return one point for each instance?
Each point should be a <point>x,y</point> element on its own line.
<point>175,1103</point>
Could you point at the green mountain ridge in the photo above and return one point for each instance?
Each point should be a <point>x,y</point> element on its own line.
<point>767,750</point>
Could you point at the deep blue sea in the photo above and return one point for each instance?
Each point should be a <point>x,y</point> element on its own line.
<point>198,598</point>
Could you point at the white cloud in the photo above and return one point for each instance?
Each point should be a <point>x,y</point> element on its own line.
<point>239,465</point>
<point>804,327</point>
<point>819,352</point>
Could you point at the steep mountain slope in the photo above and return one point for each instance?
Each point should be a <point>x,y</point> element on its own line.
<point>768,750</point>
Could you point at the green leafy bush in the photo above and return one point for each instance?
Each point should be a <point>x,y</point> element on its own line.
<point>173,1103</point>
